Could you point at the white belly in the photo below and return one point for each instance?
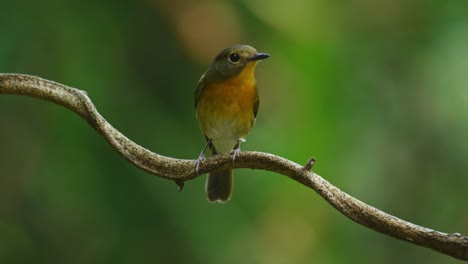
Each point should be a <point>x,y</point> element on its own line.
<point>224,135</point>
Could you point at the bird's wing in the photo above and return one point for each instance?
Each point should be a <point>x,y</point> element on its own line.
<point>256,105</point>
<point>198,91</point>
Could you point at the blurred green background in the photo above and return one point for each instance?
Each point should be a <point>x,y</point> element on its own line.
<point>376,90</point>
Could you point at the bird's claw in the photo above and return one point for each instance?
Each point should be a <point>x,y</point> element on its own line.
<point>198,162</point>
<point>234,153</point>
<point>201,157</point>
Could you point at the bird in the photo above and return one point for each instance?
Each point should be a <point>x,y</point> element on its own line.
<point>226,105</point>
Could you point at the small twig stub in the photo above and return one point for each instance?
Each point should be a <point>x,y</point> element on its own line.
<point>310,163</point>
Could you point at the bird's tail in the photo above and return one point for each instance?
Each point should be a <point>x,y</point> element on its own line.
<point>219,186</point>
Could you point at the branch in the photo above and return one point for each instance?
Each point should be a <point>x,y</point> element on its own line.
<point>180,170</point>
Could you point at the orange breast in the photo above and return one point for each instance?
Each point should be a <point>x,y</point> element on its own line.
<point>226,108</point>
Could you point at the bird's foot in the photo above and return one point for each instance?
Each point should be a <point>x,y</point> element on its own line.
<point>201,157</point>
<point>235,152</point>
<point>199,161</point>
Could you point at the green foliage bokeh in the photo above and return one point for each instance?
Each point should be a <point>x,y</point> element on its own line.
<point>376,90</point>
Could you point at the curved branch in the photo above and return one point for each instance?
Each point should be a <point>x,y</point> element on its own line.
<point>181,170</point>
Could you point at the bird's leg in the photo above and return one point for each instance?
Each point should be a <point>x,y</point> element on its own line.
<point>236,151</point>
<point>201,157</point>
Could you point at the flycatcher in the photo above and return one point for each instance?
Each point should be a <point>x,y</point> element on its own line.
<point>226,104</point>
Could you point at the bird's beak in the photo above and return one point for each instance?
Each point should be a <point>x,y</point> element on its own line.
<point>259,56</point>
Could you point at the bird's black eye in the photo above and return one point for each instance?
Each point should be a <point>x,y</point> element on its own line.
<point>234,57</point>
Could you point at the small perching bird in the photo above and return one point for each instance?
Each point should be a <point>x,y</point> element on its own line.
<point>226,103</point>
